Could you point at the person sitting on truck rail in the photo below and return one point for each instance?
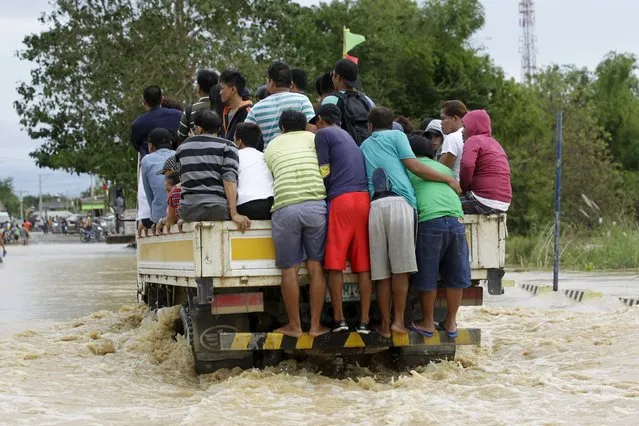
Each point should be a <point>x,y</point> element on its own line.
<point>485,172</point>
<point>344,172</point>
<point>255,181</point>
<point>391,225</point>
<point>442,249</point>
<point>159,151</point>
<point>299,218</point>
<point>174,191</point>
<point>208,172</point>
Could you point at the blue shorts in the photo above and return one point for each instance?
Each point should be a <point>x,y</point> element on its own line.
<point>299,233</point>
<point>442,251</point>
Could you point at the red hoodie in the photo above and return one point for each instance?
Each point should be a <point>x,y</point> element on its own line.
<point>484,164</point>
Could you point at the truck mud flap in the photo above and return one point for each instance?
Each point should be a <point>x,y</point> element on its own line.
<point>339,341</point>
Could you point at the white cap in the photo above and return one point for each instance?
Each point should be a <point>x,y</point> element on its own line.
<point>435,126</point>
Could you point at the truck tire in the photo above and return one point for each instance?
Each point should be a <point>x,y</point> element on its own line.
<point>214,360</point>
<point>411,357</point>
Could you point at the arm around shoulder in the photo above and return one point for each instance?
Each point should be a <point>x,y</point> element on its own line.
<point>427,173</point>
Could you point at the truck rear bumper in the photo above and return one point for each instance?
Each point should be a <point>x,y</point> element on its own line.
<point>335,342</point>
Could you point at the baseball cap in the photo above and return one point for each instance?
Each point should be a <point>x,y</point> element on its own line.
<point>435,127</point>
<point>170,165</point>
<point>348,70</point>
<point>330,112</point>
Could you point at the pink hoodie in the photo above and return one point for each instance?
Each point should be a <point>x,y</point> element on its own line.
<point>484,164</point>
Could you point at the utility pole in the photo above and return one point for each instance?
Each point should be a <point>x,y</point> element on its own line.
<point>528,41</point>
<point>40,193</point>
<point>21,195</point>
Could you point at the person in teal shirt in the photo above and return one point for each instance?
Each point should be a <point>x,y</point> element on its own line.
<point>442,249</point>
<point>391,220</point>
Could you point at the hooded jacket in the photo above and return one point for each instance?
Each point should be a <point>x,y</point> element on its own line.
<point>484,166</point>
<point>229,126</point>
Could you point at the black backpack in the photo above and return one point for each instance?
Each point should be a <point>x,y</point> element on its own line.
<point>354,108</point>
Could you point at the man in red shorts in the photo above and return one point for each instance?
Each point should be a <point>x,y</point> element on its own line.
<point>343,169</point>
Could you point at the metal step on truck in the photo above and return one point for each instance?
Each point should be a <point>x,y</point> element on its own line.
<point>229,289</point>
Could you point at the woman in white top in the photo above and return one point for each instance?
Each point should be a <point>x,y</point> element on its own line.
<point>255,181</point>
<point>452,113</point>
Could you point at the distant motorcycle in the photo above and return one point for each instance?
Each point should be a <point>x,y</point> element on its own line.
<point>93,235</point>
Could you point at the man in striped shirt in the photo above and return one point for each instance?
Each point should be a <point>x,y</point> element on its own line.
<point>206,82</point>
<point>208,172</point>
<point>266,113</point>
<point>299,218</point>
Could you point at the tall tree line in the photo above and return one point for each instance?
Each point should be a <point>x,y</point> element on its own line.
<point>95,58</point>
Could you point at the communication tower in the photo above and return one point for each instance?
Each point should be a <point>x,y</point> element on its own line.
<point>528,40</point>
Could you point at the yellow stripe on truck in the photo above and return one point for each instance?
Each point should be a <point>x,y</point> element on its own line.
<point>166,251</point>
<point>241,341</point>
<point>252,248</point>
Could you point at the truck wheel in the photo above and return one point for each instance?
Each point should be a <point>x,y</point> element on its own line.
<point>411,357</point>
<point>214,360</point>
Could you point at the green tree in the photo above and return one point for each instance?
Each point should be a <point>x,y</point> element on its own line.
<point>8,198</point>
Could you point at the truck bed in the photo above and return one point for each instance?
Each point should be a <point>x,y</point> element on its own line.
<point>234,259</point>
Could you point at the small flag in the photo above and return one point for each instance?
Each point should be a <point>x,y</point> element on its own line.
<point>351,40</point>
<point>352,58</point>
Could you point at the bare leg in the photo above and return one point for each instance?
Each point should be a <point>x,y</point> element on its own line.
<point>428,308</point>
<point>400,292</point>
<point>365,295</point>
<point>335,288</point>
<point>384,303</point>
<point>318,294</point>
<point>453,300</point>
<point>291,297</point>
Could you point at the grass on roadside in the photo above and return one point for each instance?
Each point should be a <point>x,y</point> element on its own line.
<point>614,246</point>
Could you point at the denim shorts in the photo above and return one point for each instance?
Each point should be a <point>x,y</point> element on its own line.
<point>299,233</point>
<point>442,251</point>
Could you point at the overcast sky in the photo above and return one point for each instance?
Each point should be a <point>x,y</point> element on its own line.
<point>577,32</point>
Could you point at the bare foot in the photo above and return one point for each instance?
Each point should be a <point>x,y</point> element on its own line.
<point>399,328</point>
<point>383,331</point>
<point>289,330</point>
<point>319,331</point>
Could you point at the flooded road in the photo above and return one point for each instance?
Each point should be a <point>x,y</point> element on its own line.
<point>76,349</point>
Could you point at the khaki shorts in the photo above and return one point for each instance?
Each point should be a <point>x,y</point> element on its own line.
<point>391,233</point>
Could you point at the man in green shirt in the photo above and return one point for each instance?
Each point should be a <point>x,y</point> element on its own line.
<point>442,249</point>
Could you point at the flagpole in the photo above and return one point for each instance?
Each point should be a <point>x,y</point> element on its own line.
<point>344,42</point>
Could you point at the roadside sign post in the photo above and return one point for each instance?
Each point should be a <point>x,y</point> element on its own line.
<point>555,275</point>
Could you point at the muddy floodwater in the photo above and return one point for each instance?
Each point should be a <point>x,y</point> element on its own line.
<point>75,348</point>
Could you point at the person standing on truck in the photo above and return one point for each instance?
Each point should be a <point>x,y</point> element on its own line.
<point>206,86</point>
<point>155,117</point>
<point>299,218</point>
<point>299,80</point>
<point>485,172</point>
<point>236,109</point>
<point>208,174</point>
<point>344,172</point>
<point>391,225</point>
<point>435,135</point>
<point>354,106</point>
<point>159,151</point>
<point>255,181</point>
<point>442,249</point>
<point>266,113</point>
<point>452,113</point>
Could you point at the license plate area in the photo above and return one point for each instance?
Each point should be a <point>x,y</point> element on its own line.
<point>350,293</point>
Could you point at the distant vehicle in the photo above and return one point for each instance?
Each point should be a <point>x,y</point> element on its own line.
<point>4,217</point>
